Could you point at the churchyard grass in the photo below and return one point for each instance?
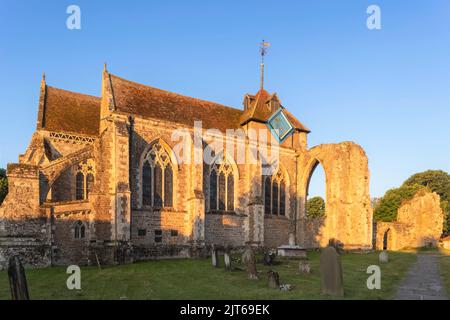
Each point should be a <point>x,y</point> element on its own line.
<point>445,268</point>
<point>197,279</point>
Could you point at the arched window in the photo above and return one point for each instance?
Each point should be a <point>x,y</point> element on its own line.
<point>84,179</point>
<point>79,230</point>
<point>89,184</point>
<point>157,178</point>
<point>221,187</point>
<point>274,194</point>
<point>79,192</point>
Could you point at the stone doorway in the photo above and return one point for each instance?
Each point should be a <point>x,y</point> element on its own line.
<point>386,239</point>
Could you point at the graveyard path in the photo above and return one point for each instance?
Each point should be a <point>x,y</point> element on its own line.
<point>423,281</point>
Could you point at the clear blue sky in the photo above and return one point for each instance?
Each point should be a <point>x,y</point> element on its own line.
<point>388,89</point>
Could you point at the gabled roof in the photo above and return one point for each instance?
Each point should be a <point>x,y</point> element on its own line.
<point>66,111</point>
<point>261,106</point>
<point>134,98</point>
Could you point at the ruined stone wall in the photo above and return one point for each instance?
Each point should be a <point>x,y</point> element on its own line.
<point>419,223</point>
<point>24,226</point>
<point>313,232</point>
<point>348,209</point>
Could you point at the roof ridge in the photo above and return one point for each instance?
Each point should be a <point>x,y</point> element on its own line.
<point>173,93</point>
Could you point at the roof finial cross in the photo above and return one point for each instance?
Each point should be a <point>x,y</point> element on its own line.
<point>263,50</point>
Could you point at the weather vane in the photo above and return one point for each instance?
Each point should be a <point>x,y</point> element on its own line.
<point>263,50</point>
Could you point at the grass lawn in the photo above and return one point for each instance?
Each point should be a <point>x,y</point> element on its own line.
<point>197,279</point>
<point>445,268</point>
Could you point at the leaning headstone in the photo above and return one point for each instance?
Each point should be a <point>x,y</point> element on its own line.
<point>17,279</point>
<point>227,258</point>
<point>273,279</point>
<point>331,272</point>
<point>214,257</point>
<point>383,257</point>
<point>269,257</point>
<point>248,258</point>
<point>304,267</point>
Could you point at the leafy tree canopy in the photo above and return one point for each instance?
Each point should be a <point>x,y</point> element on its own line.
<point>3,185</point>
<point>315,207</point>
<point>433,180</point>
<point>386,210</point>
<point>437,181</point>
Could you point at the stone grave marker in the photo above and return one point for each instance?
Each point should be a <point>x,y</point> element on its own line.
<point>227,258</point>
<point>269,257</point>
<point>303,266</point>
<point>214,257</point>
<point>383,257</point>
<point>273,279</point>
<point>17,279</point>
<point>331,272</point>
<point>248,258</point>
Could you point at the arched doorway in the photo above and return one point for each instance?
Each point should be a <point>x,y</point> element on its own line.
<point>386,239</point>
<point>316,192</point>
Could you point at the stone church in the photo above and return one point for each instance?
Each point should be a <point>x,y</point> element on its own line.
<point>100,181</point>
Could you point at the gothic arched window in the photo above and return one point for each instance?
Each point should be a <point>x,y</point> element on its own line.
<point>274,194</point>
<point>84,179</point>
<point>89,183</point>
<point>79,230</point>
<point>157,178</point>
<point>79,192</point>
<point>221,187</point>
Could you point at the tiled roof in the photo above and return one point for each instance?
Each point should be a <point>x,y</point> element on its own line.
<point>134,98</point>
<point>260,109</point>
<point>66,111</point>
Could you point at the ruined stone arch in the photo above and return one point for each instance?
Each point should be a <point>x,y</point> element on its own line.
<point>173,163</point>
<point>348,209</point>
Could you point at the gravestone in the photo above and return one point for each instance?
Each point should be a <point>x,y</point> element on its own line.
<point>273,279</point>
<point>248,258</point>
<point>331,272</point>
<point>383,257</point>
<point>336,244</point>
<point>17,279</point>
<point>304,267</point>
<point>269,257</point>
<point>227,258</point>
<point>214,257</point>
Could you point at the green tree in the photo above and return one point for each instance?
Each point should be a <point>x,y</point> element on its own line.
<point>3,185</point>
<point>315,207</point>
<point>386,209</point>
<point>437,181</point>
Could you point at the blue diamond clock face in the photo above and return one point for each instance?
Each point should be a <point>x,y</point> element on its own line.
<point>280,126</point>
